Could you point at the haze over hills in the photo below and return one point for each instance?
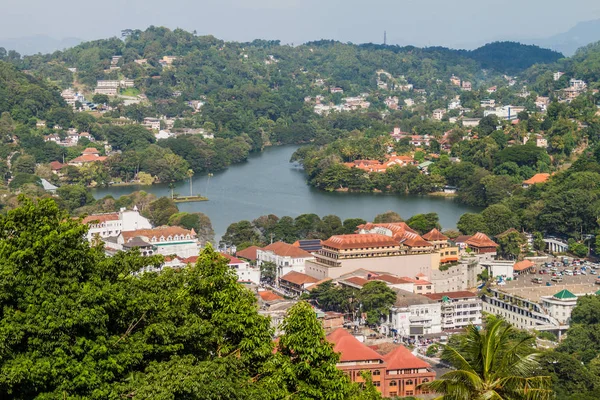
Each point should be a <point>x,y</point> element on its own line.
<point>568,42</point>
<point>38,44</point>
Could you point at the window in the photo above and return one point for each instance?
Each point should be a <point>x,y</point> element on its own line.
<point>376,383</point>
<point>376,372</point>
<point>409,393</point>
<point>393,383</point>
<point>393,394</point>
<point>425,380</point>
<point>409,382</point>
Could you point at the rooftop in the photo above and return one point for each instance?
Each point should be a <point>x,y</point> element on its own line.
<point>248,253</point>
<point>405,298</point>
<point>357,241</point>
<point>537,178</point>
<point>298,278</point>
<point>267,295</point>
<point>163,231</point>
<point>435,236</point>
<point>564,294</point>
<point>350,348</point>
<point>523,265</point>
<point>481,240</point>
<point>99,218</point>
<point>451,295</point>
<point>287,250</point>
<point>232,259</point>
<point>402,358</point>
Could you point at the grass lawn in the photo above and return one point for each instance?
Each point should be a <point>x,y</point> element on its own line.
<point>130,92</point>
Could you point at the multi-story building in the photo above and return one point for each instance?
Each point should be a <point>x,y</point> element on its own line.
<point>168,240</point>
<point>108,84</point>
<point>459,309</point>
<point>296,283</point>
<point>245,272</point>
<point>413,315</point>
<point>285,256</point>
<point>152,123</point>
<point>112,224</point>
<point>396,374</point>
<point>109,91</point>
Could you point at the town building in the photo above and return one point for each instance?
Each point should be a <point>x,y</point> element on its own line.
<point>557,75</point>
<point>438,114</point>
<point>89,155</point>
<point>112,224</point>
<point>334,90</point>
<point>470,122</point>
<point>296,283</point>
<point>459,309</point>
<point>248,253</point>
<point>109,91</point>
<point>286,257</point>
<point>466,86</point>
<point>396,374</point>
<point>455,80</point>
<point>537,178</point>
<point>413,315</point>
<point>152,123</point>
<point>168,240</point>
<point>245,272</point>
<point>480,243</point>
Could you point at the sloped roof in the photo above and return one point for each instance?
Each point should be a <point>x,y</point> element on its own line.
<point>165,231</point>
<point>100,218</point>
<point>523,265</point>
<point>507,232</point>
<point>354,241</point>
<point>88,158</point>
<point>435,235</point>
<point>232,259</point>
<point>287,250</point>
<point>402,358</point>
<point>481,240</point>
<point>56,165</point>
<point>564,295</point>
<point>248,253</point>
<point>350,348</point>
<point>462,239</point>
<point>298,278</point>
<point>461,294</point>
<point>405,298</point>
<point>356,280</point>
<point>309,245</point>
<point>136,242</point>
<point>394,280</point>
<point>267,295</point>
<point>414,240</point>
<point>537,178</point>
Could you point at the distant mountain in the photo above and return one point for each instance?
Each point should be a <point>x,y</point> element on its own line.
<point>568,42</point>
<point>511,57</point>
<point>38,44</point>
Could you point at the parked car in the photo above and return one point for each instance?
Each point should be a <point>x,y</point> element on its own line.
<point>556,279</point>
<point>543,272</point>
<point>537,280</point>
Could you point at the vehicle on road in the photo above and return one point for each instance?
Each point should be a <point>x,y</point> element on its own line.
<point>537,280</point>
<point>556,279</point>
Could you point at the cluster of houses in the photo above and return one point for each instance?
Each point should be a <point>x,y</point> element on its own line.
<point>464,85</point>
<point>111,87</point>
<point>71,138</point>
<point>349,104</point>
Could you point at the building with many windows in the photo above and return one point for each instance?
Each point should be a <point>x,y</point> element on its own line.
<point>112,224</point>
<point>459,309</point>
<point>396,374</point>
<point>286,257</point>
<point>413,315</point>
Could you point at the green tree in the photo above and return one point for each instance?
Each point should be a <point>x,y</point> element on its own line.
<point>100,98</point>
<point>499,218</point>
<point>424,223</point>
<point>388,216</point>
<point>268,272</point>
<point>160,211</point>
<point>74,196</point>
<point>305,363</point>
<point>240,232</point>
<point>24,164</point>
<point>376,298</point>
<point>471,223</point>
<point>197,221</point>
<point>510,244</point>
<point>490,365</point>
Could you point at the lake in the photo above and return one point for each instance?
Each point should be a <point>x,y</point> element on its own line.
<point>269,184</point>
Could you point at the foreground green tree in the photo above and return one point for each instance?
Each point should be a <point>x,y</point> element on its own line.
<point>376,298</point>
<point>306,363</point>
<point>492,365</point>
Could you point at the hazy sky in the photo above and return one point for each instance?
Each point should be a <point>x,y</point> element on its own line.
<point>420,22</point>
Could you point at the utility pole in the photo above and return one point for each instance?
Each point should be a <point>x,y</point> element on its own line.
<point>384,38</point>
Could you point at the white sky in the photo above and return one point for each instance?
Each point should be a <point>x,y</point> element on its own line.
<point>420,22</point>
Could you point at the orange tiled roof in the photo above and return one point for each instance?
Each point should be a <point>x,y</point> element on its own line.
<point>232,259</point>
<point>346,242</point>
<point>522,265</point>
<point>350,348</point>
<point>481,240</point>
<point>394,280</point>
<point>298,278</point>
<point>248,253</point>
<point>402,358</point>
<point>537,178</point>
<point>100,218</point>
<point>56,165</point>
<point>451,295</point>
<point>164,231</point>
<point>267,295</point>
<point>287,250</point>
<point>435,236</point>
<point>413,240</point>
<point>190,260</point>
<point>85,158</point>
<point>398,229</point>
<point>357,280</point>
<point>90,150</point>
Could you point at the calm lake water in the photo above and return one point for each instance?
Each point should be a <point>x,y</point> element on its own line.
<point>268,184</point>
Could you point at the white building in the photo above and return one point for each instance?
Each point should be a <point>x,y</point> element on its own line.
<point>499,268</point>
<point>459,309</point>
<point>414,315</point>
<point>151,123</point>
<point>112,224</point>
<point>245,272</point>
<point>506,112</point>
<point>557,75</point>
<point>286,257</point>
<point>168,240</point>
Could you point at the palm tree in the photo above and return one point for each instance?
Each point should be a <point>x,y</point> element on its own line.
<point>491,365</point>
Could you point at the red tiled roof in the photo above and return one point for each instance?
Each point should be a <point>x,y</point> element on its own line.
<point>413,240</point>
<point>522,265</point>
<point>480,240</point>
<point>287,250</point>
<point>462,239</point>
<point>298,278</point>
<point>357,280</point>
<point>394,280</point>
<point>85,158</point>
<point>190,260</point>
<point>402,358</point>
<point>435,236</point>
<point>165,231</point>
<point>100,218</point>
<point>451,295</point>
<point>537,178</point>
<point>232,259</point>
<point>90,150</point>
<point>398,229</point>
<point>267,295</point>
<point>248,253</point>
<point>350,348</point>
<point>345,242</point>
<point>55,165</point>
